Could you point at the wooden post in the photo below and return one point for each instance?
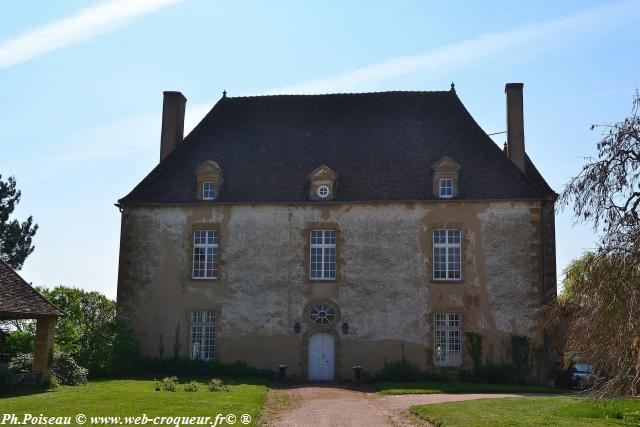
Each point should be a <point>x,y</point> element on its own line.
<point>43,347</point>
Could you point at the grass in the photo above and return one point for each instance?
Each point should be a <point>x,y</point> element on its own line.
<point>134,397</point>
<point>433,387</point>
<point>529,411</point>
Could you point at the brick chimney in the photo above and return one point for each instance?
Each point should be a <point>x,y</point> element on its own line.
<point>515,124</point>
<point>172,132</point>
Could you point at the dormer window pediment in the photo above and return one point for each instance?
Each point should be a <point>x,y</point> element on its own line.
<point>209,180</point>
<point>322,183</point>
<point>446,178</point>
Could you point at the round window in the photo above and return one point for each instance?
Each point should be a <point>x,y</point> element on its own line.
<point>323,191</point>
<point>322,314</point>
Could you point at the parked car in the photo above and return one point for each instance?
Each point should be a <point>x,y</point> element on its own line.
<point>579,372</point>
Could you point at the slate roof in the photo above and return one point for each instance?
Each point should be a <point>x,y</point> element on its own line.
<point>18,300</point>
<point>381,145</point>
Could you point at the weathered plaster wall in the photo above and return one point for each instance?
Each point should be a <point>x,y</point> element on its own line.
<point>384,288</point>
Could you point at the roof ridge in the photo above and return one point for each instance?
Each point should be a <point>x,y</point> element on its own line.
<point>284,95</point>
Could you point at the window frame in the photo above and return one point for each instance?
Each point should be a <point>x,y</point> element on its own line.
<point>213,247</point>
<point>206,339</point>
<point>447,331</point>
<point>441,187</point>
<point>212,190</point>
<point>446,246</point>
<point>324,248</point>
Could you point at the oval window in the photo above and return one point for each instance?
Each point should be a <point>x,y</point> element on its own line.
<point>322,314</point>
<point>323,191</point>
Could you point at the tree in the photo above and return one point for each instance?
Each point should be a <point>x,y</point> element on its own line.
<point>88,328</point>
<point>607,191</point>
<point>600,309</point>
<point>574,274</point>
<point>15,237</point>
<point>88,332</point>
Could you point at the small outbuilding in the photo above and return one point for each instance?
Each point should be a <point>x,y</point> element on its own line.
<point>19,300</point>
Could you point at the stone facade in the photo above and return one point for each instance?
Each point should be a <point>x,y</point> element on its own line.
<point>383,289</point>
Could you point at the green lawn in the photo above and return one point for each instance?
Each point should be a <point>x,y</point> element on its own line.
<point>432,387</point>
<point>137,397</point>
<point>529,411</point>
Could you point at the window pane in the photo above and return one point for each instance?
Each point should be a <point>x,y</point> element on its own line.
<point>446,187</point>
<point>330,263</point>
<point>322,254</point>
<point>205,253</point>
<point>202,334</point>
<point>208,190</point>
<point>330,237</point>
<point>447,343</point>
<point>447,254</point>
<point>198,237</point>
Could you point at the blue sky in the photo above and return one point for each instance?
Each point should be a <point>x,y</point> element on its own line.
<point>81,89</point>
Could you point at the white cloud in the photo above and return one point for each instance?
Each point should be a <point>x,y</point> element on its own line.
<point>521,41</point>
<point>83,25</point>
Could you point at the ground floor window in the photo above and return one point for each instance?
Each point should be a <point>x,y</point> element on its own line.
<point>447,339</point>
<point>202,334</point>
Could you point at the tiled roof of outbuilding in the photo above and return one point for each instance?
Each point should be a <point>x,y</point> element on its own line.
<point>18,300</point>
<point>381,145</point>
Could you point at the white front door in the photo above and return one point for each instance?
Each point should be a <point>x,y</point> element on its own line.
<point>321,357</point>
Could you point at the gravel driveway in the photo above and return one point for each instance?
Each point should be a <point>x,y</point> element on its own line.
<point>333,406</point>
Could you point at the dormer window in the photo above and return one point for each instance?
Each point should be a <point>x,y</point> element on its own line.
<point>446,188</point>
<point>208,181</point>
<point>322,183</point>
<point>446,178</point>
<point>208,191</point>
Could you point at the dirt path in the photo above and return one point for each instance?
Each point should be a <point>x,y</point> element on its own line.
<point>336,407</point>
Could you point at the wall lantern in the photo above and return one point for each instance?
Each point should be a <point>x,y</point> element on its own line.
<point>345,328</point>
<point>296,327</point>
<point>357,372</point>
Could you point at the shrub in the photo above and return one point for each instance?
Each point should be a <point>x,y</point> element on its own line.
<point>216,384</point>
<point>169,383</point>
<point>437,376</point>
<point>52,382</point>
<point>520,355</point>
<point>66,370</point>
<point>237,369</point>
<point>21,362</point>
<point>495,373</point>
<point>4,381</point>
<point>200,368</point>
<point>399,371</point>
<point>125,353</point>
<point>19,341</point>
<point>157,385</point>
<point>191,386</point>
<point>467,376</point>
<point>473,344</point>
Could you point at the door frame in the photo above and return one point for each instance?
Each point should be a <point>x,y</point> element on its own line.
<point>336,348</point>
<point>322,339</point>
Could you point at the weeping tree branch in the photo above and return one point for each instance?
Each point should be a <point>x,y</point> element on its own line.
<point>600,308</point>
